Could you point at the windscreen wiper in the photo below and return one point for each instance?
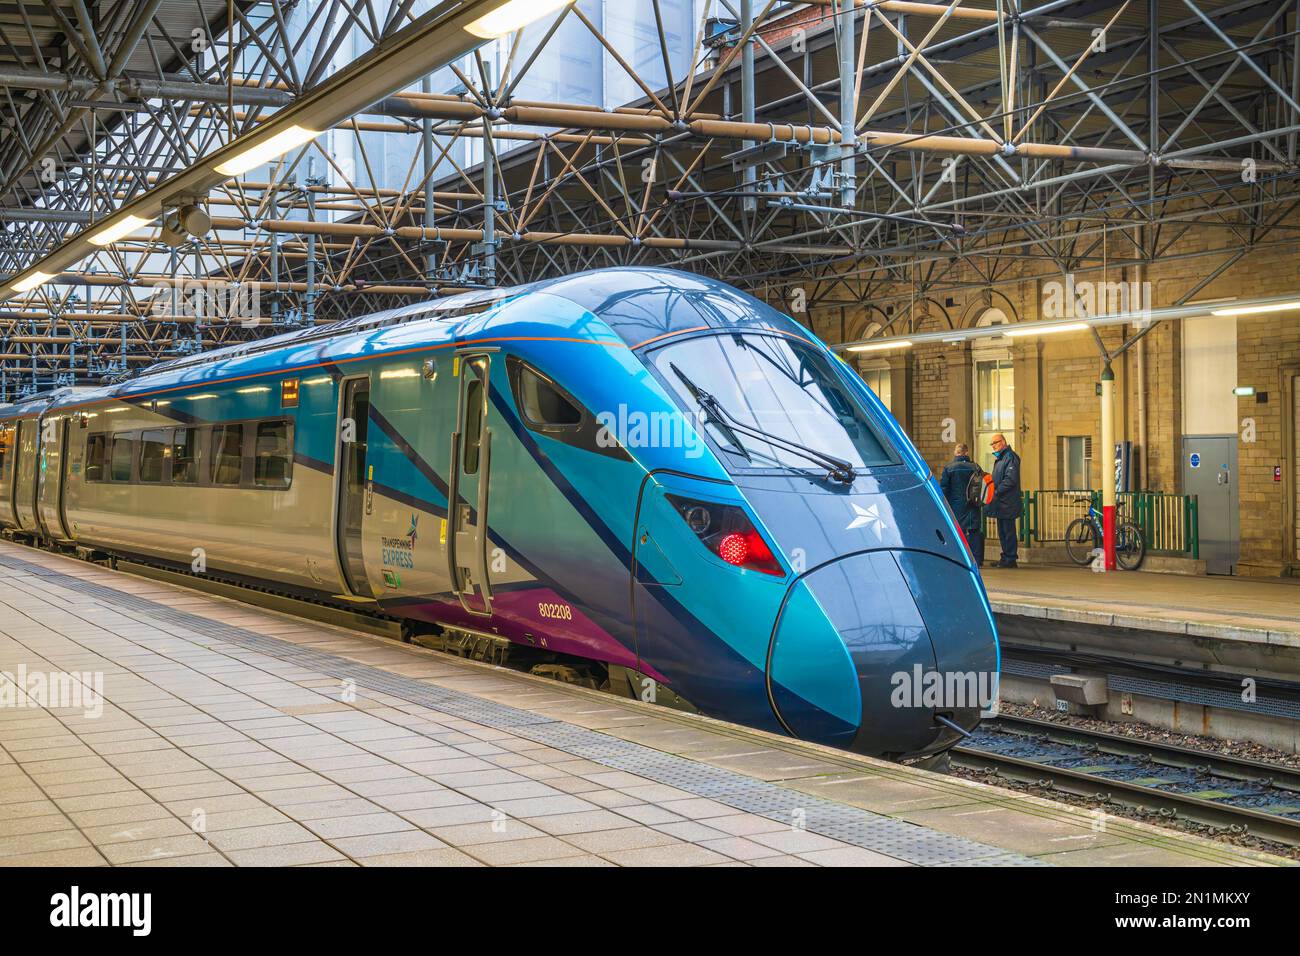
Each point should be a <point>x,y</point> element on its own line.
<point>839,469</point>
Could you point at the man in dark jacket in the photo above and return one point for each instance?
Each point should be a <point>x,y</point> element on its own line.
<point>954,481</point>
<point>1006,506</point>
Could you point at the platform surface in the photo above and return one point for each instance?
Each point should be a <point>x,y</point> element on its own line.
<point>229,735</point>
<point>1257,609</point>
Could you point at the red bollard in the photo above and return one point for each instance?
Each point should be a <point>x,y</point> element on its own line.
<point>1108,535</point>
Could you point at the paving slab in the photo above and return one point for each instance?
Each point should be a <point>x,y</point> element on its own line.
<point>229,735</point>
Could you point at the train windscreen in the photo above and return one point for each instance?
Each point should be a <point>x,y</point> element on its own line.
<point>738,385</point>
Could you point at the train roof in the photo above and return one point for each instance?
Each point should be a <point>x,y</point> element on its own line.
<point>640,305</point>
<point>35,404</point>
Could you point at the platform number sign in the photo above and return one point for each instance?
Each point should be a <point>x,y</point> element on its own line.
<point>1194,459</point>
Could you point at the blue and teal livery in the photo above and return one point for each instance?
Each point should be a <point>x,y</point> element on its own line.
<point>650,471</point>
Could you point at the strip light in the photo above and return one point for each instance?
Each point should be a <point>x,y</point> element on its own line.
<point>31,282</point>
<point>1257,309</point>
<point>511,16</point>
<point>880,346</point>
<point>267,150</point>
<point>1046,329</point>
<point>118,230</point>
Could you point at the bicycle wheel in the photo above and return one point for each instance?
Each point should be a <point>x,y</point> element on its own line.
<point>1079,541</point>
<point>1130,546</point>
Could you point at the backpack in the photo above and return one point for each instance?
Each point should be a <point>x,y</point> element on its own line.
<point>979,490</point>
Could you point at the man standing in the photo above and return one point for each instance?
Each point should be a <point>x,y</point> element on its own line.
<point>1006,506</point>
<point>954,481</point>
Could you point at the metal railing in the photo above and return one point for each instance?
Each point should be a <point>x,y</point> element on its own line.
<point>1170,523</point>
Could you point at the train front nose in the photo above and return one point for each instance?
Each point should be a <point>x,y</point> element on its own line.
<point>871,650</point>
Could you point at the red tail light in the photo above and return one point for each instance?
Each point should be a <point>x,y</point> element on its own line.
<point>727,531</point>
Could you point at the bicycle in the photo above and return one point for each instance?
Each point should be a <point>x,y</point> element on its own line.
<point>1084,536</point>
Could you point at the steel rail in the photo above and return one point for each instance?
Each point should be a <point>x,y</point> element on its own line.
<point>1169,804</point>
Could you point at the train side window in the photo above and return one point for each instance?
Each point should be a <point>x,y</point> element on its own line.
<point>96,452</point>
<point>185,456</point>
<point>473,425</point>
<point>121,457</point>
<point>155,448</point>
<point>227,453</point>
<point>542,403</point>
<point>6,438</point>
<point>545,407</point>
<point>273,455</point>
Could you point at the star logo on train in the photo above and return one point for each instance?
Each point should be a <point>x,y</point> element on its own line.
<point>411,532</point>
<point>868,516</point>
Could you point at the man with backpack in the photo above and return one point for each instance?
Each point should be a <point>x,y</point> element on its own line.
<point>963,483</point>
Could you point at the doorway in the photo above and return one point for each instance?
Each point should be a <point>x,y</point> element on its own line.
<point>1210,473</point>
<point>354,420</point>
<point>467,496</point>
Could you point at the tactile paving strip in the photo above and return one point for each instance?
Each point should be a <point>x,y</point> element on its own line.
<point>850,825</point>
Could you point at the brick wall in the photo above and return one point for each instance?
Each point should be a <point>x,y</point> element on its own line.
<point>1059,397</point>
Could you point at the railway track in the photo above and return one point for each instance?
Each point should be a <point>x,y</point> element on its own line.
<point>1226,793</point>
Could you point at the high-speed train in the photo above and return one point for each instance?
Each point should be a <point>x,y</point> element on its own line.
<point>640,469</point>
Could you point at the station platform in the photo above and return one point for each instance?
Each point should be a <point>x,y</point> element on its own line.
<point>1260,610</point>
<point>230,735</point>
<point>1225,625</point>
<point>1178,652</point>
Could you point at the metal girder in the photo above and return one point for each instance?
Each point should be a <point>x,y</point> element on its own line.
<point>894,180</point>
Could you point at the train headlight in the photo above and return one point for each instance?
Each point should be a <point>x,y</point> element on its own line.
<point>727,531</point>
<point>698,519</point>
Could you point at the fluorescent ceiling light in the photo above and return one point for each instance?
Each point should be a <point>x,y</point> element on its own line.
<point>511,16</point>
<point>1030,329</point>
<point>118,230</point>
<point>267,150</point>
<point>1257,309</point>
<point>880,346</point>
<point>31,282</point>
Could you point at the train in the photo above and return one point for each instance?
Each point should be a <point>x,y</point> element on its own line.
<point>637,477</point>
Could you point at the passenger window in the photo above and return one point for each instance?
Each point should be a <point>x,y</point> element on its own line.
<point>273,461</point>
<point>473,425</point>
<point>123,453</point>
<point>96,446</point>
<point>542,402</point>
<point>6,434</point>
<point>155,446</point>
<point>227,454</point>
<point>185,456</point>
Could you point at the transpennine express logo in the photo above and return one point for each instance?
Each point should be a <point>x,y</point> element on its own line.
<point>400,552</point>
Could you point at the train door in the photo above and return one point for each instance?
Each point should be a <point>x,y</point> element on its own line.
<point>8,454</point>
<point>51,472</point>
<point>467,492</point>
<point>25,474</point>
<point>352,484</point>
